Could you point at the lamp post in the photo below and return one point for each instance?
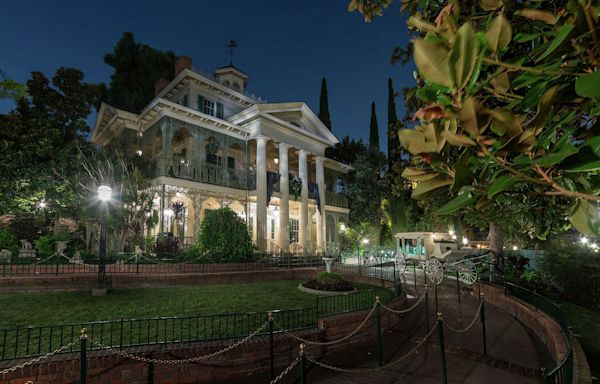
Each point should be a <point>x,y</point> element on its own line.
<point>104,195</point>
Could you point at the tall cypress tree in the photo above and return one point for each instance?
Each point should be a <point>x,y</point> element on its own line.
<point>373,131</point>
<point>392,133</point>
<point>324,105</point>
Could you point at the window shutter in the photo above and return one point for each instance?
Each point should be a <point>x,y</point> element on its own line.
<point>219,110</point>
<point>185,100</point>
<point>200,103</point>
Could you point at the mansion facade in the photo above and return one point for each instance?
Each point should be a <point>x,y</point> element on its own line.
<point>211,144</point>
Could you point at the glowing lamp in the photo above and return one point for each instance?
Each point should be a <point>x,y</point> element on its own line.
<point>104,192</point>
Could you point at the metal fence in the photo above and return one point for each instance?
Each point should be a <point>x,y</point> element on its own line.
<point>562,373</point>
<point>34,341</point>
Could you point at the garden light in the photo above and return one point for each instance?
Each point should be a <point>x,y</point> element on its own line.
<point>584,240</point>
<point>515,248</point>
<point>465,241</point>
<point>453,237</point>
<point>104,192</point>
<point>365,241</point>
<point>139,152</point>
<point>343,227</point>
<point>451,232</point>
<point>42,204</point>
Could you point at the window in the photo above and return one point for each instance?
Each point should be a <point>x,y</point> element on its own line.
<point>226,83</point>
<point>272,229</point>
<point>230,162</point>
<point>183,101</point>
<point>236,85</point>
<point>293,226</point>
<point>210,107</point>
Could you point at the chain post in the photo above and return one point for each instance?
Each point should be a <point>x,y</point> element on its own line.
<point>83,356</point>
<point>378,324</point>
<point>271,345</point>
<point>457,287</point>
<point>427,307</point>
<point>544,376</point>
<point>415,277</point>
<point>483,324</point>
<point>436,297</point>
<point>440,327</point>
<point>302,364</point>
<point>137,264</point>
<point>479,285</point>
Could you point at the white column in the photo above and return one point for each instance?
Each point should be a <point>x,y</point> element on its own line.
<point>303,222</point>
<point>261,192</point>
<point>284,202</point>
<point>320,216</point>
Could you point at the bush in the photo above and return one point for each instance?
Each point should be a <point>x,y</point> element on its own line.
<point>329,277</point>
<point>9,241</point>
<point>45,246</point>
<point>327,281</point>
<point>29,227</point>
<point>224,237</point>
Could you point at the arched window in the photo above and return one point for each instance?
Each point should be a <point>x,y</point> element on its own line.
<point>330,229</point>
<point>182,147</point>
<point>213,151</point>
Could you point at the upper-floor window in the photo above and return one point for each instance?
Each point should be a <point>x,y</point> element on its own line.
<point>183,101</point>
<point>236,85</point>
<point>210,107</point>
<point>226,83</point>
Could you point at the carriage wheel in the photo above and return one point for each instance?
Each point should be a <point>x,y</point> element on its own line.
<point>434,271</point>
<point>467,273</point>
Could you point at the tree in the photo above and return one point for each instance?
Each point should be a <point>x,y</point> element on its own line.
<point>373,131</point>
<point>364,188</point>
<point>137,69</point>
<point>41,139</point>
<point>512,89</point>
<point>324,105</point>
<point>347,150</point>
<point>10,89</point>
<point>393,151</point>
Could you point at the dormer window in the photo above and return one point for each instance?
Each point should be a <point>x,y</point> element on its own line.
<point>183,101</point>
<point>226,83</point>
<point>236,85</point>
<point>209,107</point>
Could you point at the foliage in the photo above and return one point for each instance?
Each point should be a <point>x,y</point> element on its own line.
<point>28,226</point>
<point>575,272</point>
<point>224,237</point>
<point>9,241</point>
<point>167,246</point>
<point>10,89</point>
<point>44,246</point>
<point>137,69</point>
<point>393,148</point>
<point>44,135</point>
<point>327,281</point>
<point>365,188</point>
<point>373,131</point>
<point>347,150</point>
<point>512,104</point>
<point>324,105</point>
<point>329,277</point>
<point>352,236</point>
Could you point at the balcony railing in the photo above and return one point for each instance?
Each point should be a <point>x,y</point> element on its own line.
<point>210,174</point>
<point>336,199</point>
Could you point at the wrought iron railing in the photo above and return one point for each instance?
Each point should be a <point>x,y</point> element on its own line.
<point>336,199</point>
<point>209,174</point>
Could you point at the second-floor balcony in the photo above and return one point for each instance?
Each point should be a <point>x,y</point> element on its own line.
<point>210,174</point>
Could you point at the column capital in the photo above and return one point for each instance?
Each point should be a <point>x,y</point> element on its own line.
<point>320,159</point>
<point>302,152</point>
<point>284,146</point>
<point>262,139</point>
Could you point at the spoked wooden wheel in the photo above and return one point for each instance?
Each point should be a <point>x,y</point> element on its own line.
<point>434,271</point>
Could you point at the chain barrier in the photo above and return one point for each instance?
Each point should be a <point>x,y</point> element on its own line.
<point>286,371</point>
<point>470,325</point>
<point>179,361</point>
<point>39,358</point>
<point>365,370</point>
<point>298,338</point>
<point>402,311</point>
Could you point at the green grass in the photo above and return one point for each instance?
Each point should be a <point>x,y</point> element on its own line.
<point>587,324</point>
<point>25,309</point>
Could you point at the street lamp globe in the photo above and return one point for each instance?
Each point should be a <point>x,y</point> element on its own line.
<point>104,192</point>
<point>365,241</point>
<point>343,227</point>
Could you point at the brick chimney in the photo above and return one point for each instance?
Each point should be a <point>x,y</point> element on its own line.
<point>160,85</point>
<point>183,62</point>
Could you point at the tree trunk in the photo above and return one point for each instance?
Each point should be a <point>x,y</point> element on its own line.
<point>496,238</point>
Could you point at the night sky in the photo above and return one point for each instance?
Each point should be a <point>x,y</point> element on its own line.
<point>286,47</point>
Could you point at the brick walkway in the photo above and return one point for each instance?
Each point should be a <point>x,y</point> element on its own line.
<point>514,355</point>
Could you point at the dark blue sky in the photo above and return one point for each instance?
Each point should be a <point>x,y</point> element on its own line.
<point>285,46</point>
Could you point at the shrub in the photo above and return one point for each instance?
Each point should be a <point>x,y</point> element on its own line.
<point>45,246</point>
<point>9,241</point>
<point>329,277</point>
<point>224,237</point>
<point>29,227</point>
<point>327,281</point>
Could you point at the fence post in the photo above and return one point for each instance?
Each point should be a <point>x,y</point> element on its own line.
<point>436,298</point>
<point>378,324</point>
<point>427,307</point>
<point>83,356</point>
<point>440,327</point>
<point>415,277</point>
<point>483,324</point>
<point>137,264</point>
<point>271,346</point>
<point>302,365</point>
<point>457,287</point>
<point>56,266</point>
<point>121,334</point>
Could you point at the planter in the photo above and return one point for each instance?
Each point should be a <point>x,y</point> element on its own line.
<point>61,246</point>
<point>324,293</point>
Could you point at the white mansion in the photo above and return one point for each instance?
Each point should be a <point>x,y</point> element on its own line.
<point>214,145</point>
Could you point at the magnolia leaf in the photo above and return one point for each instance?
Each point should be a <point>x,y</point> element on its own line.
<point>589,86</point>
<point>501,184</point>
<point>430,112</point>
<point>562,34</point>
<point>536,14</point>
<point>463,55</point>
<point>499,34</point>
<point>463,176</point>
<point>469,120</point>
<point>585,219</point>
<point>420,24</point>
<point>585,161</point>
<point>504,121</point>
<point>422,139</point>
<point>414,174</point>
<point>431,60</point>
<point>491,5</point>
<point>553,158</point>
<point>594,144</point>
<point>457,139</point>
<point>544,106</point>
<point>464,199</point>
<point>501,82</point>
<point>427,186</point>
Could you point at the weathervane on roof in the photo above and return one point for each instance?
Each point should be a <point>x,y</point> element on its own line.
<point>232,44</point>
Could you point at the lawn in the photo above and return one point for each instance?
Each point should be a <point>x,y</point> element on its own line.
<point>35,309</point>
